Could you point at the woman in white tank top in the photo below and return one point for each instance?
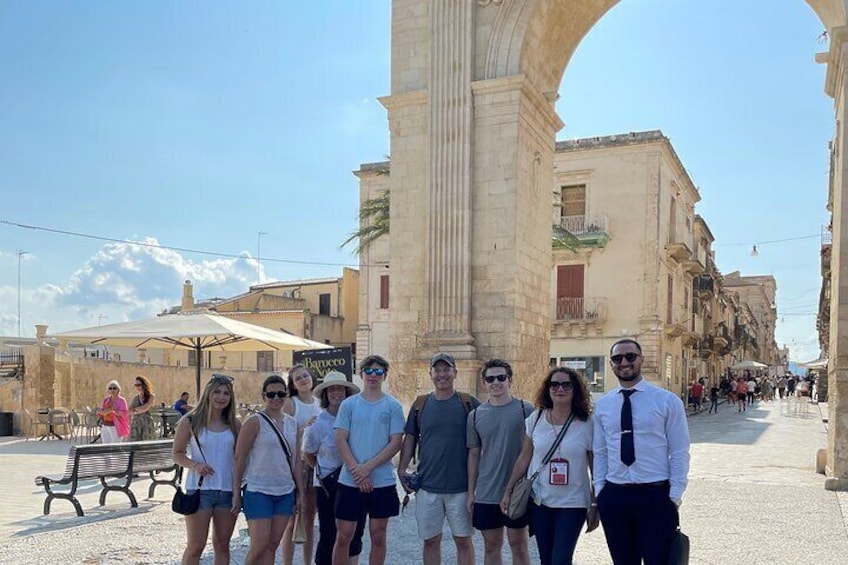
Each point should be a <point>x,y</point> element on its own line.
<point>304,407</point>
<point>204,443</point>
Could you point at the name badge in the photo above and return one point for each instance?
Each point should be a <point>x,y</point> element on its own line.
<point>558,472</point>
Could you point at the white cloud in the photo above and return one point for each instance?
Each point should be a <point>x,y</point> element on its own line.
<point>120,282</point>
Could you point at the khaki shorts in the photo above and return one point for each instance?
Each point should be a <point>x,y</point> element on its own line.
<point>431,509</point>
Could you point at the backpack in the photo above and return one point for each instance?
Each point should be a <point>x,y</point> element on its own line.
<point>419,405</point>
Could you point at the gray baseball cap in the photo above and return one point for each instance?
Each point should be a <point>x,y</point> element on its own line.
<point>446,357</point>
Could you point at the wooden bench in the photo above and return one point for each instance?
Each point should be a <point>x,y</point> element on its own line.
<point>112,461</point>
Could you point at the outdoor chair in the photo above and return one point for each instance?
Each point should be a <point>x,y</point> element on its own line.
<point>33,424</point>
<point>75,424</point>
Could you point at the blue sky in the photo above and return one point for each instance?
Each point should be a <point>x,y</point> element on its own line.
<point>197,125</point>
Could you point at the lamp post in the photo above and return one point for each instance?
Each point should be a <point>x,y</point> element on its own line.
<point>21,253</point>
<point>258,256</point>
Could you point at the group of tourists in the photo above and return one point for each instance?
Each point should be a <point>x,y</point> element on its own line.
<point>747,389</point>
<point>131,421</point>
<point>329,449</point>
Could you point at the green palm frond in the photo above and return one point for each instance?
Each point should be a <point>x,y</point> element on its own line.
<point>373,222</point>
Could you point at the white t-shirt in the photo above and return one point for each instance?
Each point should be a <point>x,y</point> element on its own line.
<point>574,447</point>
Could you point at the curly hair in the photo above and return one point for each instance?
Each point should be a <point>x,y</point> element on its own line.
<point>581,401</point>
<point>496,363</point>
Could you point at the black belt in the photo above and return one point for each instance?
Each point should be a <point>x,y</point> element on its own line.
<point>642,485</point>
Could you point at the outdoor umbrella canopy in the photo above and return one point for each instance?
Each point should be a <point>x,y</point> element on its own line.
<point>820,363</point>
<point>749,365</point>
<point>198,332</point>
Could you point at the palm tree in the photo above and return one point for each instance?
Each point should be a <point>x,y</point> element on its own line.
<point>374,223</point>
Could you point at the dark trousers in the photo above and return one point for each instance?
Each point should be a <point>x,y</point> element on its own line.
<point>327,528</point>
<point>556,530</point>
<point>639,522</point>
<point>714,405</point>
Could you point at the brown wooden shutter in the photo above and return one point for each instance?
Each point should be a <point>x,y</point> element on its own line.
<point>384,291</point>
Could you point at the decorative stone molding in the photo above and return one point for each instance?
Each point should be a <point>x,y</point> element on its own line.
<point>485,3</point>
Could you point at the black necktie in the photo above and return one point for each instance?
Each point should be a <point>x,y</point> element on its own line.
<point>628,454</point>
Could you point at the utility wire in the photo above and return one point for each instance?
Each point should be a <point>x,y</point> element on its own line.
<point>168,247</point>
<point>750,243</point>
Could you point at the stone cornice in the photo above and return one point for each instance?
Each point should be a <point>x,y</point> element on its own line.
<point>404,99</point>
<point>540,101</point>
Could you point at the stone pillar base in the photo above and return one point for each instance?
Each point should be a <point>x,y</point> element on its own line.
<point>836,484</point>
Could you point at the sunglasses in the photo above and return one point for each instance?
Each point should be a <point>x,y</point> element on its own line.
<point>629,356</point>
<point>222,378</point>
<point>564,385</point>
<point>275,394</point>
<point>492,378</point>
<point>370,371</point>
<point>138,385</point>
<point>113,388</point>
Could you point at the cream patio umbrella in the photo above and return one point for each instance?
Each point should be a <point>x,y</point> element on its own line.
<point>749,365</point>
<point>192,331</point>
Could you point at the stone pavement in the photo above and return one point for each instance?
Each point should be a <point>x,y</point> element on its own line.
<point>753,498</point>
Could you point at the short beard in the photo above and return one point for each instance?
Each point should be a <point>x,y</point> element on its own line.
<point>630,378</point>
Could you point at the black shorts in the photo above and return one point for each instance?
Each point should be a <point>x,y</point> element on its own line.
<point>490,517</point>
<point>353,505</point>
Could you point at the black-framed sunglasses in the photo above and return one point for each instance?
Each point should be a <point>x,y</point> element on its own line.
<point>275,394</point>
<point>222,378</point>
<point>378,371</point>
<point>617,358</point>
<point>564,385</point>
<point>492,378</point>
<point>113,388</point>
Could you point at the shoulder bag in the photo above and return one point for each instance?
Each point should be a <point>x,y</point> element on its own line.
<point>183,503</point>
<point>299,528</point>
<point>520,495</point>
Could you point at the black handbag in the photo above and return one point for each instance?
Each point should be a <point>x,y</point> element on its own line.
<point>330,482</point>
<point>679,553</point>
<point>184,503</point>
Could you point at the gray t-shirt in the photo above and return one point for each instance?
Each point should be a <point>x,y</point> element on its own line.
<point>441,446</point>
<point>498,431</point>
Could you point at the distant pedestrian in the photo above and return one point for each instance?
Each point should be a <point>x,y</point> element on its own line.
<point>181,405</point>
<point>741,394</point>
<point>790,386</point>
<point>751,385</point>
<point>713,399</point>
<point>114,415</point>
<point>142,426</point>
<point>697,395</point>
<point>641,461</point>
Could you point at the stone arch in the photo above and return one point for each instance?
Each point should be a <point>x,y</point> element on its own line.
<point>473,130</point>
<point>537,38</point>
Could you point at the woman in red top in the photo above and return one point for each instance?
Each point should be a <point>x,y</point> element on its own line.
<point>114,415</point>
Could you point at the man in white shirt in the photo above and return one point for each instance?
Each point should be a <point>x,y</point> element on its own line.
<point>641,462</point>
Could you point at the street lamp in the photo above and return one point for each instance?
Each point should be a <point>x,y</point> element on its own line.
<point>258,255</point>
<point>21,253</point>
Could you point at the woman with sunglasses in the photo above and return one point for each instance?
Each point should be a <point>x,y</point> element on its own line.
<point>562,494</point>
<point>267,472</point>
<point>143,427</point>
<point>320,451</point>
<point>114,415</point>
<point>204,443</point>
<point>304,407</point>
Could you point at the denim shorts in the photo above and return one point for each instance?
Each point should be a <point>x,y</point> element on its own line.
<point>212,499</point>
<point>259,506</point>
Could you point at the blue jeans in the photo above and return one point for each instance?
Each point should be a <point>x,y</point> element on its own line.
<point>556,531</point>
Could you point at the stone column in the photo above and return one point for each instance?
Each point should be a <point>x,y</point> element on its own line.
<point>447,273</point>
<point>837,449</point>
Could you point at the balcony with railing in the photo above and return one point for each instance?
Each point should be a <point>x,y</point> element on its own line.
<point>703,286</point>
<point>586,309</point>
<point>591,230</point>
<point>826,236</point>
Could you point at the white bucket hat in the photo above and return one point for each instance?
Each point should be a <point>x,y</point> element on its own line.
<point>335,378</point>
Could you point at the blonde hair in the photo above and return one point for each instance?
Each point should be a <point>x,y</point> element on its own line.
<point>200,414</point>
